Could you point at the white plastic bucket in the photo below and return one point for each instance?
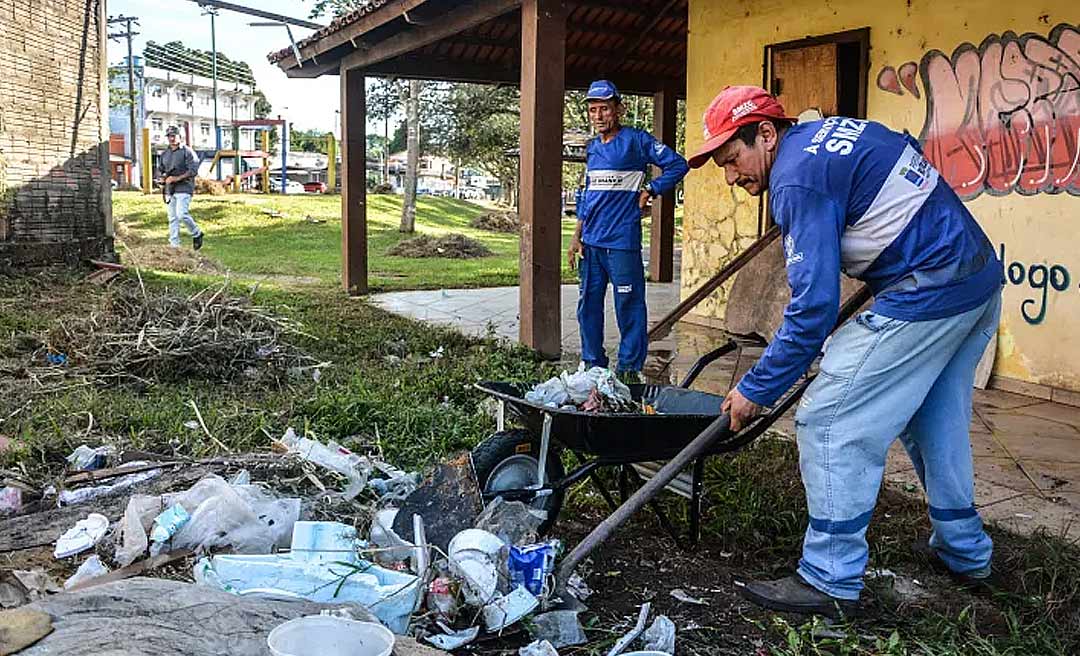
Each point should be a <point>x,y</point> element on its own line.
<point>319,635</point>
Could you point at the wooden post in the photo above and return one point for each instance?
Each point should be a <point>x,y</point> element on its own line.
<point>353,182</point>
<point>662,236</point>
<point>543,52</point>
<point>264,145</point>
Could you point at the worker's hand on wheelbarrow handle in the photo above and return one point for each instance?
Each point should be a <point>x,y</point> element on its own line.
<point>741,409</point>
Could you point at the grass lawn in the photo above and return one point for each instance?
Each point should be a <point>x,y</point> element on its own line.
<point>302,242</point>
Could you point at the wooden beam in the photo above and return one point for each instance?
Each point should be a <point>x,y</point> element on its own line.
<point>662,236</point>
<point>354,273</point>
<point>645,33</point>
<point>543,52</point>
<point>436,68</point>
<point>351,32</point>
<point>454,21</point>
<point>513,42</point>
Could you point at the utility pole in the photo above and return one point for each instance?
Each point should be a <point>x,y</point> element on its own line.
<point>128,34</point>
<point>212,11</point>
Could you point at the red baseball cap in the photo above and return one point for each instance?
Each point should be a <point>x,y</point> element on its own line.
<point>729,110</point>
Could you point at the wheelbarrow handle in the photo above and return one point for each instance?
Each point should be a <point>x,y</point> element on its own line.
<point>720,427</point>
<point>706,360</point>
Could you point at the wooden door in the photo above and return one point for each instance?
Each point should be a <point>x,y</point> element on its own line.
<point>806,77</point>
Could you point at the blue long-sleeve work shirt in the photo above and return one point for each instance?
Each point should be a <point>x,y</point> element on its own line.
<point>615,171</point>
<point>853,196</point>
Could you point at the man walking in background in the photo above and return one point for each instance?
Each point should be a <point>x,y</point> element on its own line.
<point>608,233</point>
<point>177,168</point>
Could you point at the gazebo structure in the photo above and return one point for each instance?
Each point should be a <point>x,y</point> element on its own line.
<point>545,47</point>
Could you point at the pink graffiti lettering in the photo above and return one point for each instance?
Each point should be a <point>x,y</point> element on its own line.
<point>887,80</point>
<point>1005,117</point>
<point>907,77</point>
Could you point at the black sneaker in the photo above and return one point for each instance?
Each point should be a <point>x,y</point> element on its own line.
<point>196,241</point>
<point>794,595</point>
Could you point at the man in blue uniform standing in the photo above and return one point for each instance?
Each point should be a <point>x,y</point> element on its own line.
<point>608,233</point>
<point>853,196</point>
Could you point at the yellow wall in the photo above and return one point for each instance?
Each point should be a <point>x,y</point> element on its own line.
<point>726,46</point>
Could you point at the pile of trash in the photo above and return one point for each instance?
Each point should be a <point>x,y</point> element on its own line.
<point>593,390</point>
<point>436,563</point>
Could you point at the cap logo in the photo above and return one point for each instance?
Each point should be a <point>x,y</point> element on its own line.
<point>743,109</point>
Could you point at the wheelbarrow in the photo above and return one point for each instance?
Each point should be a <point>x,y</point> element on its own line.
<point>525,464</point>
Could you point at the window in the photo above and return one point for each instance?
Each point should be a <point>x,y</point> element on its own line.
<point>204,99</point>
<point>155,90</point>
<point>204,130</point>
<point>157,124</point>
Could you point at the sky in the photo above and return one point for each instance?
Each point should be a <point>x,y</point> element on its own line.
<point>307,104</point>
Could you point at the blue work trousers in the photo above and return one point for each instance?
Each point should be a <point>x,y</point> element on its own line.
<point>624,270</point>
<point>883,378</point>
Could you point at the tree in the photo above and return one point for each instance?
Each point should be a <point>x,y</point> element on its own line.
<point>412,162</point>
<point>308,141</point>
<point>482,130</point>
<point>118,88</point>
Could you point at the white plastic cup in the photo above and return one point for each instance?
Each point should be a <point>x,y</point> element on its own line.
<point>320,635</point>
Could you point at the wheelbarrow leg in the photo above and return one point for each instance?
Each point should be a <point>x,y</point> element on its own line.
<point>610,500</point>
<point>658,510</point>
<point>624,483</point>
<point>697,483</point>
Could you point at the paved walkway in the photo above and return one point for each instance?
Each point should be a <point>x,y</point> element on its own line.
<point>1027,451</point>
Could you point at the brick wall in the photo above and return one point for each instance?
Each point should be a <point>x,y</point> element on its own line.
<point>54,185</point>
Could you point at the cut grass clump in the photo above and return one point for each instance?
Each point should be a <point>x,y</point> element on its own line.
<point>456,247</point>
<point>498,221</point>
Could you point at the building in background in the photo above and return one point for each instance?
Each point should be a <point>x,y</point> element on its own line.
<point>173,87</point>
<point>55,196</point>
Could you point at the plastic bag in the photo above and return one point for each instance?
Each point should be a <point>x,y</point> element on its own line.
<point>551,392</point>
<point>246,517</point>
<point>660,636</point>
<point>581,383</point>
<point>538,648</point>
<point>610,386</point>
<point>91,569</point>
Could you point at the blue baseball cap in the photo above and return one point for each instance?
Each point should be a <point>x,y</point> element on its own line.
<point>602,90</point>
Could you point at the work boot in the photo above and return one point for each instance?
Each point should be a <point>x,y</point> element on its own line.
<point>196,241</point>
<point>794,595</point>
<point>989,583</point>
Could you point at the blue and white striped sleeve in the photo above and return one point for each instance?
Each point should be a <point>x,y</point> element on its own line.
<point>811,224</point>
<point>673,166</point>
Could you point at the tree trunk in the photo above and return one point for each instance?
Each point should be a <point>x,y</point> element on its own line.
<point>412,131</point>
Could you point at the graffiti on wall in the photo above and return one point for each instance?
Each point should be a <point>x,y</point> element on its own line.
<point>1002,117</point>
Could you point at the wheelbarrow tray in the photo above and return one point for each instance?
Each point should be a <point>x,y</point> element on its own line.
<point>611,437</point>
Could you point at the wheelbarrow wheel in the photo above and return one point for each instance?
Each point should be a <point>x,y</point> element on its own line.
<point>508,460</point>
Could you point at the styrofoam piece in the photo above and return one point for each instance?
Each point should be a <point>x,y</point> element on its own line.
<point>474,556</point>
<point>323,541</point>
<point>390,595</point>
<point>391,547</point>
<point>508,609</point>
<point>454,639</point>
<point>322,635</point>
<point>83,536</point>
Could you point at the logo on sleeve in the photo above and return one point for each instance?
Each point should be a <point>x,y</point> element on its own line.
<point>659,148</point>
<point>916,171</point>
<point>791,257</point>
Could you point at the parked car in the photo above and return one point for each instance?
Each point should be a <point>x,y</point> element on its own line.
<point>291,186</point>
<point>315,187</point>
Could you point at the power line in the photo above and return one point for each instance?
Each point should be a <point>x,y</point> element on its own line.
<point>128,33</point>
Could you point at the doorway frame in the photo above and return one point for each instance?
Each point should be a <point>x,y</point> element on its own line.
<point>860,36</point>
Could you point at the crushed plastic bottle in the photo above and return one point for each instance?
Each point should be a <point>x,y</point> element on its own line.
<point>332,456</point>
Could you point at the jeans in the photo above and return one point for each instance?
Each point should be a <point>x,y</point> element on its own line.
<point>883,378</point>
<point>623,268</point>
<point>178,211</point>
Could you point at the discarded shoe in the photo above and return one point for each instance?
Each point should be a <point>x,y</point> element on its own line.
<point>794,595</point>
<point>196,241</point>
